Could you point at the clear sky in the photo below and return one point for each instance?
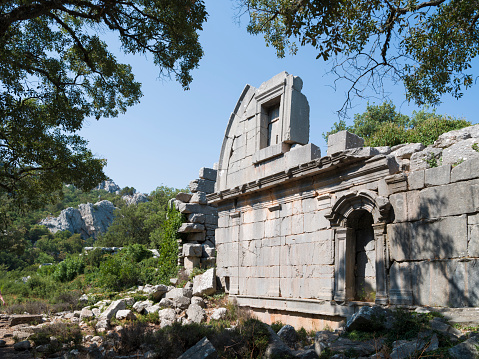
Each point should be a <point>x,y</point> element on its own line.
<point>172,133</point>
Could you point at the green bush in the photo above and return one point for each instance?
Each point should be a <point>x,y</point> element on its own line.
<point>68,269</point>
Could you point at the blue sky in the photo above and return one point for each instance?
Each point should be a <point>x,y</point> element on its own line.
<point>172,133</point>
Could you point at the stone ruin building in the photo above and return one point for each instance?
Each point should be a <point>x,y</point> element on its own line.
<point>307,239</point>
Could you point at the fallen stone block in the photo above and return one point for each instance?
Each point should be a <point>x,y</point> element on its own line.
<point>370,319</point>
<point>22,346</point>
<point>195,313</point>
<point>288,335</point>
<point>17,319</point>
<point>468,349</point>
<point>219,313</point>
<point>140,306</point>
<point>201,350</point>
<point>276,348</point>
<point>125,314</point>
<point>205,284</point>
<point>113,308</point>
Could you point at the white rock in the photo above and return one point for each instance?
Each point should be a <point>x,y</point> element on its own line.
<point>219,313</point>
<point>125,314</point>
<point>205,284</point>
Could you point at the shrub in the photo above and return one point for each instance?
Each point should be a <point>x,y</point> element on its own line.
<point>68,269</point>
<point>65,333</point>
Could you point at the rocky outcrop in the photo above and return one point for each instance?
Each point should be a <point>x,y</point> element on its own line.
<point>88,219</point>
<point>135,198</point>
<point>108,186</point>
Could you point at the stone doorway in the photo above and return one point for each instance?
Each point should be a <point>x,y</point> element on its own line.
<point>364,269</point>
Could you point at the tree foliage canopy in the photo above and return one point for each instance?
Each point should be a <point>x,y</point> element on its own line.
<point>381,125</point>
<point>428,45</point>
<point>55,70</point>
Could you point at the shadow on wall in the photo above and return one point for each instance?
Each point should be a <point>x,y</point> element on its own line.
<point>429,264</point>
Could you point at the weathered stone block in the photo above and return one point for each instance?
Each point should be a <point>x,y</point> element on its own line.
<point>199,197</point>
<point>191,228</point>
<point>416,180</point>
<point>199,237</point>
<point>437,176</point>
<point>342,141</point>
<point>400,206</point>
<point>192,250</point>
<point>205,284</point>
<point>207,173</point>
<point>465,171</point>
<point>396,183</point>
<point>400,284</point>
<point>473,240</point>
<point>183,197</point>
<point>196,218</point>
<point>191,262</point>
<point>302,154</point>
<point>443,238</point>
<point>202,185</point>
<point>405,152</point>
<point>195,208</point>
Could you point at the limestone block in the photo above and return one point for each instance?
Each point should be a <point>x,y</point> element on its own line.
<point>272,228</point>
<point>211,219</point>
<point>399,206</point>
<point>196,208</point>
<point>396,183</point>
<point>199,237</point>
<point>191,228</point>
<point>114,307</point>
<point>205,284</point>
<point>201,350</point>
<point>309,204</point>
<point>258,230</point>
<point>443,238</point>
<point>473,219</point>
<point>405,152</point>
<point>192,250</point>
<point>223,220</point>
<point>297,224</point>
<point>196,218</point>
<point>199,197</point>
<point>207,173</point>
<point>125,314</point>
<point>208,251</point>
<point>472,270</point>
<point>140,306</point>
<point>473,240</point>
<point>196,314</point>
<point>449,200</point>
<point>202,185</point>
<point>342,141</point>
<point>415,180</point>
<point>302,154</point>
<point>285,226</point>
<point>400,283</point>
<point>437,176</point>
<point>183,197</point>
<point>191,262</point>
<point>431,283</point>
<point>466,170</point>
<point>315,221</point>
<point>269,152</point>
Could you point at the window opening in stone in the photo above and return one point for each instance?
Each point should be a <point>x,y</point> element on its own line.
<point>273,125</point>
<point>364,256</point>
<point>227,284</point>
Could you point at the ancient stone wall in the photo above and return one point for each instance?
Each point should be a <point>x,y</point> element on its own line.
<point>305,236</point>
<point>197,249</point>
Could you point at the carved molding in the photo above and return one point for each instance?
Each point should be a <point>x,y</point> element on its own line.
<point>367,200</point>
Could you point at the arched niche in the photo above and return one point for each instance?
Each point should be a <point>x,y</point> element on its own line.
<point>347,217</point>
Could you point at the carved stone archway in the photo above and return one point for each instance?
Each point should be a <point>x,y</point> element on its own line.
<point>340,217</point>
